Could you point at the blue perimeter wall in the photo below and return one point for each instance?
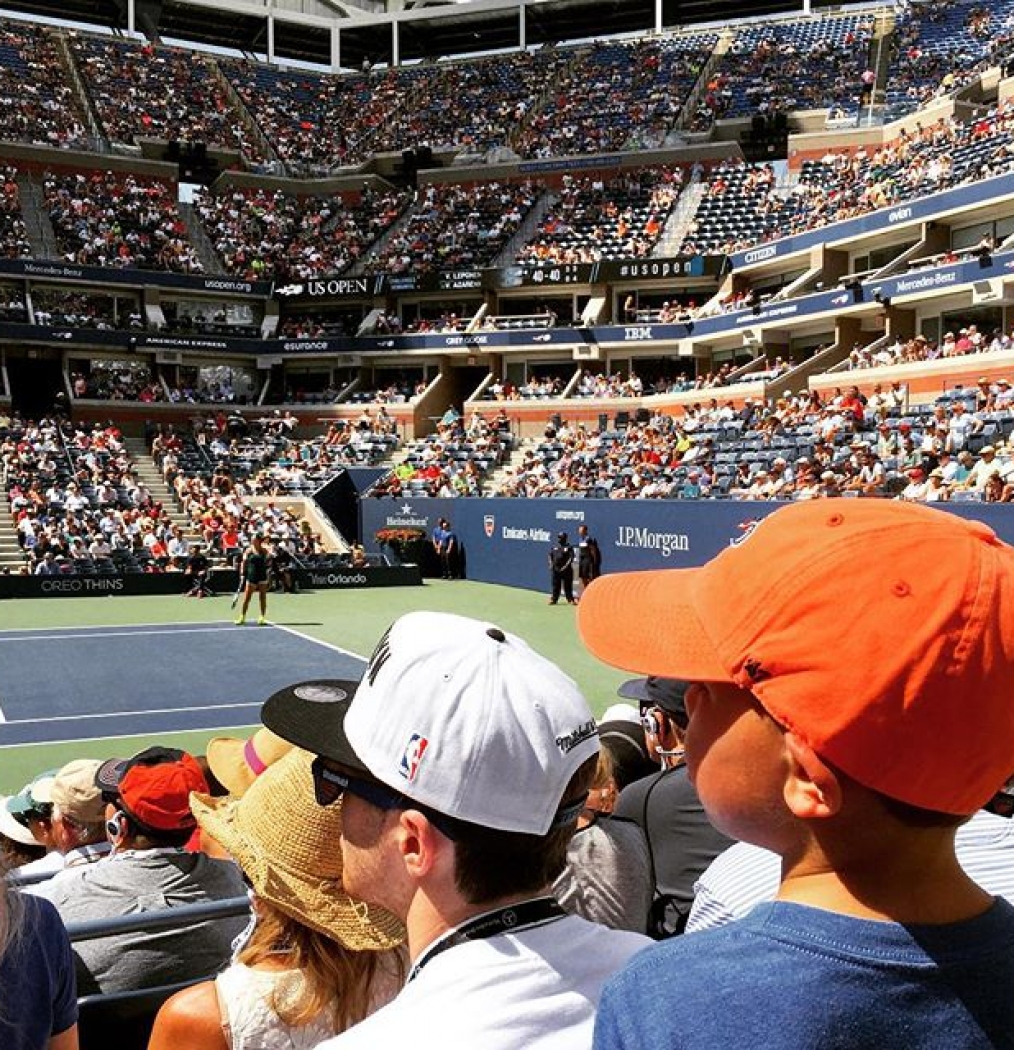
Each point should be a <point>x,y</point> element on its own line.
<point>507,541</point>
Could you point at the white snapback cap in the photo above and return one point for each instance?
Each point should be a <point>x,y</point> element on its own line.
<point>460,716</point>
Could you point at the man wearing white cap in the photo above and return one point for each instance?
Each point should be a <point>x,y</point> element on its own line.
<point>984,466</point>
<point>463,763</point>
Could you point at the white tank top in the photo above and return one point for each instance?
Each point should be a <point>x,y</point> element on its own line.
<point>248,1019</point>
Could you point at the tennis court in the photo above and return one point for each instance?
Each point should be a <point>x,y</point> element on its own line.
<point>98,677</point>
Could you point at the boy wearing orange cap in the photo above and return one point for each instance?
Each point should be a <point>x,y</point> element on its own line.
<point>851,730</point>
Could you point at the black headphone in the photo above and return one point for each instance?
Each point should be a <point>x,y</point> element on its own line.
<point>118,825</point>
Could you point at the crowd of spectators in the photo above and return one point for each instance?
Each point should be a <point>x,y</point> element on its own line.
<point>612,92</point>
<point>225,461</point>
<point>456,225</point>
<point>616,385</point>
<point>539,103</point>
<point>122,381</point>
<point>476,105</point>
<point>261,234</point>
<point>106,313</point>
<point>452,461</point>
<point>37,103</point>
<point>745,205</point>
<point>13,239</point>
<point>241,320</point>
<point>794,65</point>
<point>317,122</point>
<point>12,304</point>
<point>545,102</point>
<point>316,325</point>
<point>533,388</point>
<point>939,48</point>
<point>919,348</point>
<point>797,447</point>
<point>398,391</point>
<point>109,218</point>
<point>595,217</point>
<point>142,91</point>
<point>222,385</point>
<point>77,503</point>
<point>609,385</point>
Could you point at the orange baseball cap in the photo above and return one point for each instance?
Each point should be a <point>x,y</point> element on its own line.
<point>881,632</point>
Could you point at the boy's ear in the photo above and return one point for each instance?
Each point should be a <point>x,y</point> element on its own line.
<point>812,790</point>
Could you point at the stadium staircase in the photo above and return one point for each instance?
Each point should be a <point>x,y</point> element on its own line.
<point>681,218</point>
<point>144,467</point>
<point>253,128</point>
<point>549,93</point>
<point>681,126</point>
<point>880,53</point>
<point>507,469</point>
<point>832,359</point>
<point>200,240</point>
<point>11,559</point>
<point>377,247</point>
<point>528,229</point>
<point>81,96</point>
<point>38,227</point>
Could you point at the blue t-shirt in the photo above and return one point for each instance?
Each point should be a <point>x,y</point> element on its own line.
<point>799,978</point>
<point>38,996</point>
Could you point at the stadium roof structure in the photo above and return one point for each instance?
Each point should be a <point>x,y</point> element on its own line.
<point>395,31</point>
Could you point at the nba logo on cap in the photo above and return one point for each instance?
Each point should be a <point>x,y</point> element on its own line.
<point>412,756</point>
<point>489,524</point>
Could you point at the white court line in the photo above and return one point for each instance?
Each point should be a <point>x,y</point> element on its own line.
<point>115,626</point>
<point>317,641</point>
<point>133,714</point>
<point>126,736</point>
<point>118,634</point>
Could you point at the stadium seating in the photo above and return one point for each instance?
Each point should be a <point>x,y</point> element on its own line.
<point>37,103</point>
<point>261,234</point>
<point>452,225</point>
<point>613,92</point>
<point>595,218</point>
<point>116,220</point>
<point>142,91</point>
<point>13,241</point>
<point>815,63</point>
<point>937,48</point>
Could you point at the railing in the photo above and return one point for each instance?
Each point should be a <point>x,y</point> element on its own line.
<point>124,1020</point>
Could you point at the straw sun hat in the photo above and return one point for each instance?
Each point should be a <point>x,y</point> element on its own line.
<point>290,849</point>
<point>236,764</point>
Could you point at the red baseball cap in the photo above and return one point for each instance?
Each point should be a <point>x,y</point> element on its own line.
<point>881,632</point>
<point>155,788</point>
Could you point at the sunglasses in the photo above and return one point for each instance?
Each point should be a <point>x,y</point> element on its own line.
<point>329,785</point>
<point>43,811</point>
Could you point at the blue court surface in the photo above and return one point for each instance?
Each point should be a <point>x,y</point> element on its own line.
<point>90,682</point>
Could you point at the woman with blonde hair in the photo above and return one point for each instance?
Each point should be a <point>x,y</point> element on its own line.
<point>314,961</point>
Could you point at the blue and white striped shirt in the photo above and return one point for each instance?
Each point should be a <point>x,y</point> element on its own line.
<point>745,875</point>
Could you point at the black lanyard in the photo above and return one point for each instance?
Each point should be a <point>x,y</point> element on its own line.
<point>512,919</point>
